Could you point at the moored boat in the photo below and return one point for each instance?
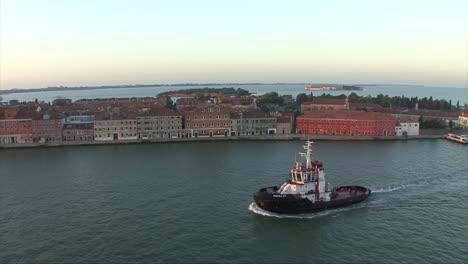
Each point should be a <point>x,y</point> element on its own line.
<point>307,191</point>
<point>458,138</point>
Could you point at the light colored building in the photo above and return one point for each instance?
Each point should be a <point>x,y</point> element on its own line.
<point>407,128</point>
<point>252,123</point>
<point>285,124</point>
<point>158,123</point>
<point>463,121</point>
<point>106,129</point>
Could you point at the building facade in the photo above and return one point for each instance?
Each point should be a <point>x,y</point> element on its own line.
<point>463,121</point>
<point>14,129</point>
<point>252,123</point>
<point>285,124</point>
<point>159,123</point>
<point>119,129</point>
<point>47,129</point>
<point>346,123</point>
<point>208,120</point>
<point>407,128</point>
<point>78,128</point>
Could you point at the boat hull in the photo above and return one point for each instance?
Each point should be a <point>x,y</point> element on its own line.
<point>293,204</point>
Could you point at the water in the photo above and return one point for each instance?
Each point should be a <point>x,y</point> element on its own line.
<point>192,202</point>
<point>454,94</point>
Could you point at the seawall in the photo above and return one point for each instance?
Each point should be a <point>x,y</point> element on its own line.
<point>230,138</point>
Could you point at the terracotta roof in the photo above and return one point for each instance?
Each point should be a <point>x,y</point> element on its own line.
<point>327,101</point>
<point>284,119</point>
<point>435,113</point>
<point>250,114</point>
<point>188,101</point>
<point>365,105</point>
<point>344,114</point>
<point>159,111</point>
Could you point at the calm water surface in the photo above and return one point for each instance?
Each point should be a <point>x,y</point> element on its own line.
<point>189,202</point>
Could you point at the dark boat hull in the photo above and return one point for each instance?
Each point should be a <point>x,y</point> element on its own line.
<point>292,204</point>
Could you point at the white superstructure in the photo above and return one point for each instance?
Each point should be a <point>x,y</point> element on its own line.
<point>307,179</point>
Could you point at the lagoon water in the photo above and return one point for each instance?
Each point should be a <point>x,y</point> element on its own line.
<point>192,202</point>
<point>454,94</point>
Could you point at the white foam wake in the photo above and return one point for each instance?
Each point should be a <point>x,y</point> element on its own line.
<point>393,188</point>
<point>257,210</point>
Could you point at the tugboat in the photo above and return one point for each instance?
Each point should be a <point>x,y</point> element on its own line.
<point>307,191</point>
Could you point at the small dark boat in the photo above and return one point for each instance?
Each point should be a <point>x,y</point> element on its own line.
<point>307,191</point>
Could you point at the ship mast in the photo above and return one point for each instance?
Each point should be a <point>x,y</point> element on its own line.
<point>308,147</point>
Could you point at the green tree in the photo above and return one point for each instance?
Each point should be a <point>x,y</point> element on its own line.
<point>170,104</point>
<point>301,98</point>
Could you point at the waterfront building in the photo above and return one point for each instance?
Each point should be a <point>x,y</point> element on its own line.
<point>47,127</point>
<point>159,123</point>
<point>208,120</point>
<point>463,121</point>
<point>78,128</point>
<point>14,128</point>
<point>346,123</point>
<point>112,127</point>
<point>285,123</point>
<point>252,123</point>
<point>407,128</point>
<point>78,132</point>
<point>323,104</point>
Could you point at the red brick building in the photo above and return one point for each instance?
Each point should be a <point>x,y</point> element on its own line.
<point>47,129</point>
<point>346,123</point>
<point>46,125</point>
<point>81,132</point>
<point>208,120</point>
<point>13,128</point>
<point>187,104</point>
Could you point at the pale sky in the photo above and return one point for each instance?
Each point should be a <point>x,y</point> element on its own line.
<point>98,42</point>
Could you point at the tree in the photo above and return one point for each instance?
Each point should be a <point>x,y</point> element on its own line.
<point>202,97</point>
<point>170,104</point>
<point>301,98</point>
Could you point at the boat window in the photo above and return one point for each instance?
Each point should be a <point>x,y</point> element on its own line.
<point>298,176</point>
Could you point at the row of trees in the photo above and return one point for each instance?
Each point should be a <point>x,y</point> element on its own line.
<point>408,102</point>
<point>434,123</point>
<point>387,101</point>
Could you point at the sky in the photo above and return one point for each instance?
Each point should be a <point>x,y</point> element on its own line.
<point>107,42</point>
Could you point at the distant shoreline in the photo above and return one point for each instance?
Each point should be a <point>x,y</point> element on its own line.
<point>78,88</point>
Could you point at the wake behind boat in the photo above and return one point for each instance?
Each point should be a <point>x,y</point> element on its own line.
<point>307,191</point>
